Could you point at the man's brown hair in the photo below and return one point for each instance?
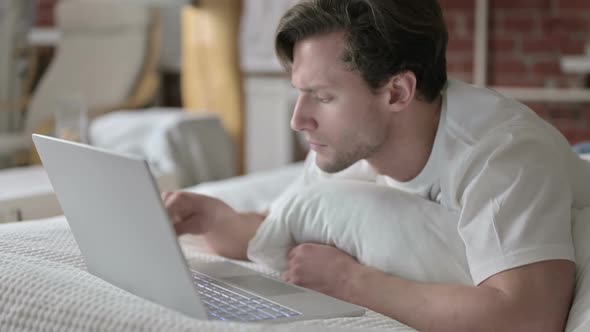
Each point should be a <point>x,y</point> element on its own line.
<point>383,38</point>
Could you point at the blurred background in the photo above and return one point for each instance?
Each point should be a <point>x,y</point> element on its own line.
<point>160,61</point>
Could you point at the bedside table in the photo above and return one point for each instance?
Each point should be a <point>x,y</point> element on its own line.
<point>26,193</point>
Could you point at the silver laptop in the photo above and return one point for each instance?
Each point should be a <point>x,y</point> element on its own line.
<point>122,228</point>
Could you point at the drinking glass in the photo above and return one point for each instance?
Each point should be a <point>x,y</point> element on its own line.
<point>71,118</point>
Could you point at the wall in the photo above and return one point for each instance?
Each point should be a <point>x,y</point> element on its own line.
<point>526,40</point>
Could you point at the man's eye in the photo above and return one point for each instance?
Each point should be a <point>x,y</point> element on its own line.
<point>324,100</point>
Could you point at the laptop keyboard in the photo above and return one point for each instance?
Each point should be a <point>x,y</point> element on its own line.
<point>225,302</point>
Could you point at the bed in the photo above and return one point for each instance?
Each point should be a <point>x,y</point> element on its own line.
<point>44,284</point>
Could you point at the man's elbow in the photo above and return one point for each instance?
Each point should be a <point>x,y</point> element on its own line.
<point>538,298</point>
<point>550,314</point>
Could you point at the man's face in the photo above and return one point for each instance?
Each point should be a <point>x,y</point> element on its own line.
<point>343,120</point>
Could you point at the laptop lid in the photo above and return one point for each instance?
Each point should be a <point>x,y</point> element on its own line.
<point>109,199</point>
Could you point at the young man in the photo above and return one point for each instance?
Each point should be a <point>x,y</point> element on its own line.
<point>374,93</point>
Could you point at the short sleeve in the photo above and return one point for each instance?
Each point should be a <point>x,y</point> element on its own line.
<point>516,204</point>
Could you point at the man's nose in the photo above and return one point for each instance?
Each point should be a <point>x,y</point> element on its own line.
<point>302,119</point>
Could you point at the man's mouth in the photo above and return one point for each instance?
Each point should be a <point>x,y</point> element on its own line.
<point>315,145</point>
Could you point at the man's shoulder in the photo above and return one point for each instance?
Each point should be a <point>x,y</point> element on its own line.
<point>482,126</point>
<point>475,114</point>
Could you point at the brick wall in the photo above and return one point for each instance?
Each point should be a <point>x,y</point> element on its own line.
<point>526,40</point>
<point>45,13</point>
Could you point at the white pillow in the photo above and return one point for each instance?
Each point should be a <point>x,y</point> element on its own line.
<point>579,318</point>
<point>382,227</point>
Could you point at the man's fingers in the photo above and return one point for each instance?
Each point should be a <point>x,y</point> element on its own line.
<point>177,205</point>
<point>176,219</point>
<point>187,211</point>
<point>285,276</point>
<point>165,195</point>
<point>300,249</point>
<point>179,215</point>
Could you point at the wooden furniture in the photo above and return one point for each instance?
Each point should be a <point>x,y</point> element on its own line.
<point>211,79</point>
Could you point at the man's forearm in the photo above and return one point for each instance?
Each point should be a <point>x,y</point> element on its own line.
<point>430,307</point>
<point>230,236</point>
<point>437,307</point>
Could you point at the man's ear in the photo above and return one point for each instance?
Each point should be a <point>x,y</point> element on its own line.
<point>402,90</point>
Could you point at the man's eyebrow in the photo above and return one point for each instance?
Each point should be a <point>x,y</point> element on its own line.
<point>313,87</point>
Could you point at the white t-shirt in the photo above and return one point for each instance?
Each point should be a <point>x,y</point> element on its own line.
<point>512,178</point>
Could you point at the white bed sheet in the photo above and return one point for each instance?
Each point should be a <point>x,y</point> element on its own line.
<point>44,286</point>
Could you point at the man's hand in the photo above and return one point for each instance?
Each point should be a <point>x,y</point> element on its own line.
<point>193,213</point>
<point>226,231</point>
<point>322,268</point>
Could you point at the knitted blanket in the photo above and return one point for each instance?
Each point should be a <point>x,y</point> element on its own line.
<point>44,286</point>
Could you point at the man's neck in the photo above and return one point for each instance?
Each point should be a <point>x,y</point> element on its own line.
<point>407,149</point>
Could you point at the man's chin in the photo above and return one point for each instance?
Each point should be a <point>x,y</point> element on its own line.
<point>330,166</point>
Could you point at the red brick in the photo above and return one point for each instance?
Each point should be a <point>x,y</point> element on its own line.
<point>546,119</point>
<point>494,20</point>
<point>451,23</point>
<point>569,126</point>
<point>567,43</point>
<point>542,80</point>
<point>571,47</point>
<point>470,23</point>
<point>502,44</point>
<point>581,136</point>
<point>457,69</point>
<point>507,66</point>
<point>520,23</point>
<point>454,67</point>
<point>539,108</point>
<point>565,112</point>
<point>44,17</point>
<point>462,66</point>
<point>459,57</point>
<point>574,4</point>
<point>539,45</point>
<point>501,79</point>
<point>460,45</point>
<point>570,135</point>
<point>546,68</point>
<point>456,4</point>
<point>46,3</point>
<point>521,4</point>
<point>44,20</point>
<point>465,77</point>
<point>569,80</point>
<point>586,115</point>
<point>564,22</point>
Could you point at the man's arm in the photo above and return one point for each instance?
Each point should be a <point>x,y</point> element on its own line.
<point>534,297</point>
<point>225,231</point>
<point>230,236</point>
